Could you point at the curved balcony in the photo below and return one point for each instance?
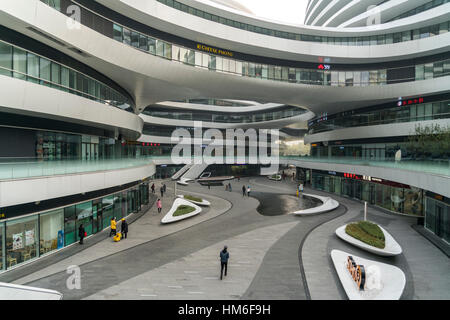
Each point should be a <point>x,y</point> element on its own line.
<point>214,60</point>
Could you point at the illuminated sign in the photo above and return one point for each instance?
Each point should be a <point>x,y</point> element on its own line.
<point>324,67</point>
<point>408,102</point>
<point>357,272</point>
<point>221,52</point>
<point>352,176</point>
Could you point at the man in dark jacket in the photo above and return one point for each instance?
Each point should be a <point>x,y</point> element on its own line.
<point>81,232</point>
<point>153,188</point>
<point>124,228</point>
<point>224,256</point>
<point>244,190</point>
<point>162,191</point>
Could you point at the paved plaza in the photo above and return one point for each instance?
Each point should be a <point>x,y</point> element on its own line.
<point>272,256</point>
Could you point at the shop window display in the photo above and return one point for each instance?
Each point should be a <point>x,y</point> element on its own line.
<point>51,231</point>
<point>21,240</point>
<point>84,216</point>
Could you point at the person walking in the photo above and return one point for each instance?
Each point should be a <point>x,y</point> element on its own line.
<point>164,188</point>
<point>162,191</point>
<point>81,233</point>
<point>113,227</point>
<point>248,191</point>
<point>153,188</point>
<point>243,191</point>
<point>224,256</point>
<point>159,205</point>
<point>229,187</point>
<point>124,228</point>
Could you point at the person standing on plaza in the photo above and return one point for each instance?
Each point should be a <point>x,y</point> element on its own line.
<point>124,228</point>
<point>162,191</point>
<point>164,187</point>
<point>113,227</point>
<point>229,187</point>
<point>224,256</point>
<point>243,191</point>
<point>153,188</point>
<point>248,191</point>
<point>81,233</point>
<point>159,205</point>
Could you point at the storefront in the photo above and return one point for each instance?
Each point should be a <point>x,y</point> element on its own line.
<point>387,194</point>
<point>437,215</point>
<point>29,237</point>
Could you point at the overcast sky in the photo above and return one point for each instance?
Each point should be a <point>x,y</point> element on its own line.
<point>292,11</point>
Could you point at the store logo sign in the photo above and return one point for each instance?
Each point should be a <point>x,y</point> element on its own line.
<point>214,50</point>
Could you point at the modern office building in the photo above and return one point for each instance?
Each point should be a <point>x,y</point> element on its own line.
<point>91,91</point>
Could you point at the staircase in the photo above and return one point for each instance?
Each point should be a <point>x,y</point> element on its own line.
<point>194,171</point>
<point>180,172</point>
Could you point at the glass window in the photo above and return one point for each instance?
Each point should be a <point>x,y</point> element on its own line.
<point>341,79</point>
<point>135,39</point>
<point>373,77</point>
<point>33,67</point>
<point>70,234</point>
<point>117,32</point>
<point>126,36</point>
<point>251,69</point>
<point>2,258</point>
<point>420,72</point>
<point>428,71</point>
<point>143,43</point>
<point>152,45</point>
<point>212,63</point>
<point>84,217</point>
<point>277,75</point>
<point>168,50</point>
<point>160,48</point>
<point>21,240</point>
<point>56,73</point>
<point>285,73</point>
<point>51,231</point>
<point>108,210</point>
<point>176,53</point>
<point>65,77</point>
<point>45,70</point>
<point>264,72</point>
<point>19,63</point>
<point>239,67</point>
<point>232,66</point>
<point>5,59</point>
<point>219,63</point>
<point>205,60</point>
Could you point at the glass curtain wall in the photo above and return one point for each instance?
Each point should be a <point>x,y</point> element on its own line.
<point>23,239</point>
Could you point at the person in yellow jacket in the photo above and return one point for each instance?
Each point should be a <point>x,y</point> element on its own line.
<point>113,227</point>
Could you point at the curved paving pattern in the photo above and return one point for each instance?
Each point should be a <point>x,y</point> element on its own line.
<point>290,261</point>
<point>196,276</point>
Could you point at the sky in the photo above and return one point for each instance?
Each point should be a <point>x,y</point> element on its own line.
<point>292,11</point>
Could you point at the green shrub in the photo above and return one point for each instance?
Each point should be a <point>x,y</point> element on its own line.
<point>367,232</point>
<point>192,198</point>
<point>183,209</point>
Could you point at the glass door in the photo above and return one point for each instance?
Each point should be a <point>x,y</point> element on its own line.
<point>439,229</point>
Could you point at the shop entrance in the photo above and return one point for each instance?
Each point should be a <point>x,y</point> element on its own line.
<point>89,151</point>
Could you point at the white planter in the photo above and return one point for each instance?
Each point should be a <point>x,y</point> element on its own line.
<point>277,178</point>
<point>169,218</point>
<point>391,279</point>
<point>183,181</point>
<point>204,202</point>
<point>328,204</point>
<point>392,248</point>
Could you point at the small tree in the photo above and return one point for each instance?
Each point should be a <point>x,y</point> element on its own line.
<point>430,141</point>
